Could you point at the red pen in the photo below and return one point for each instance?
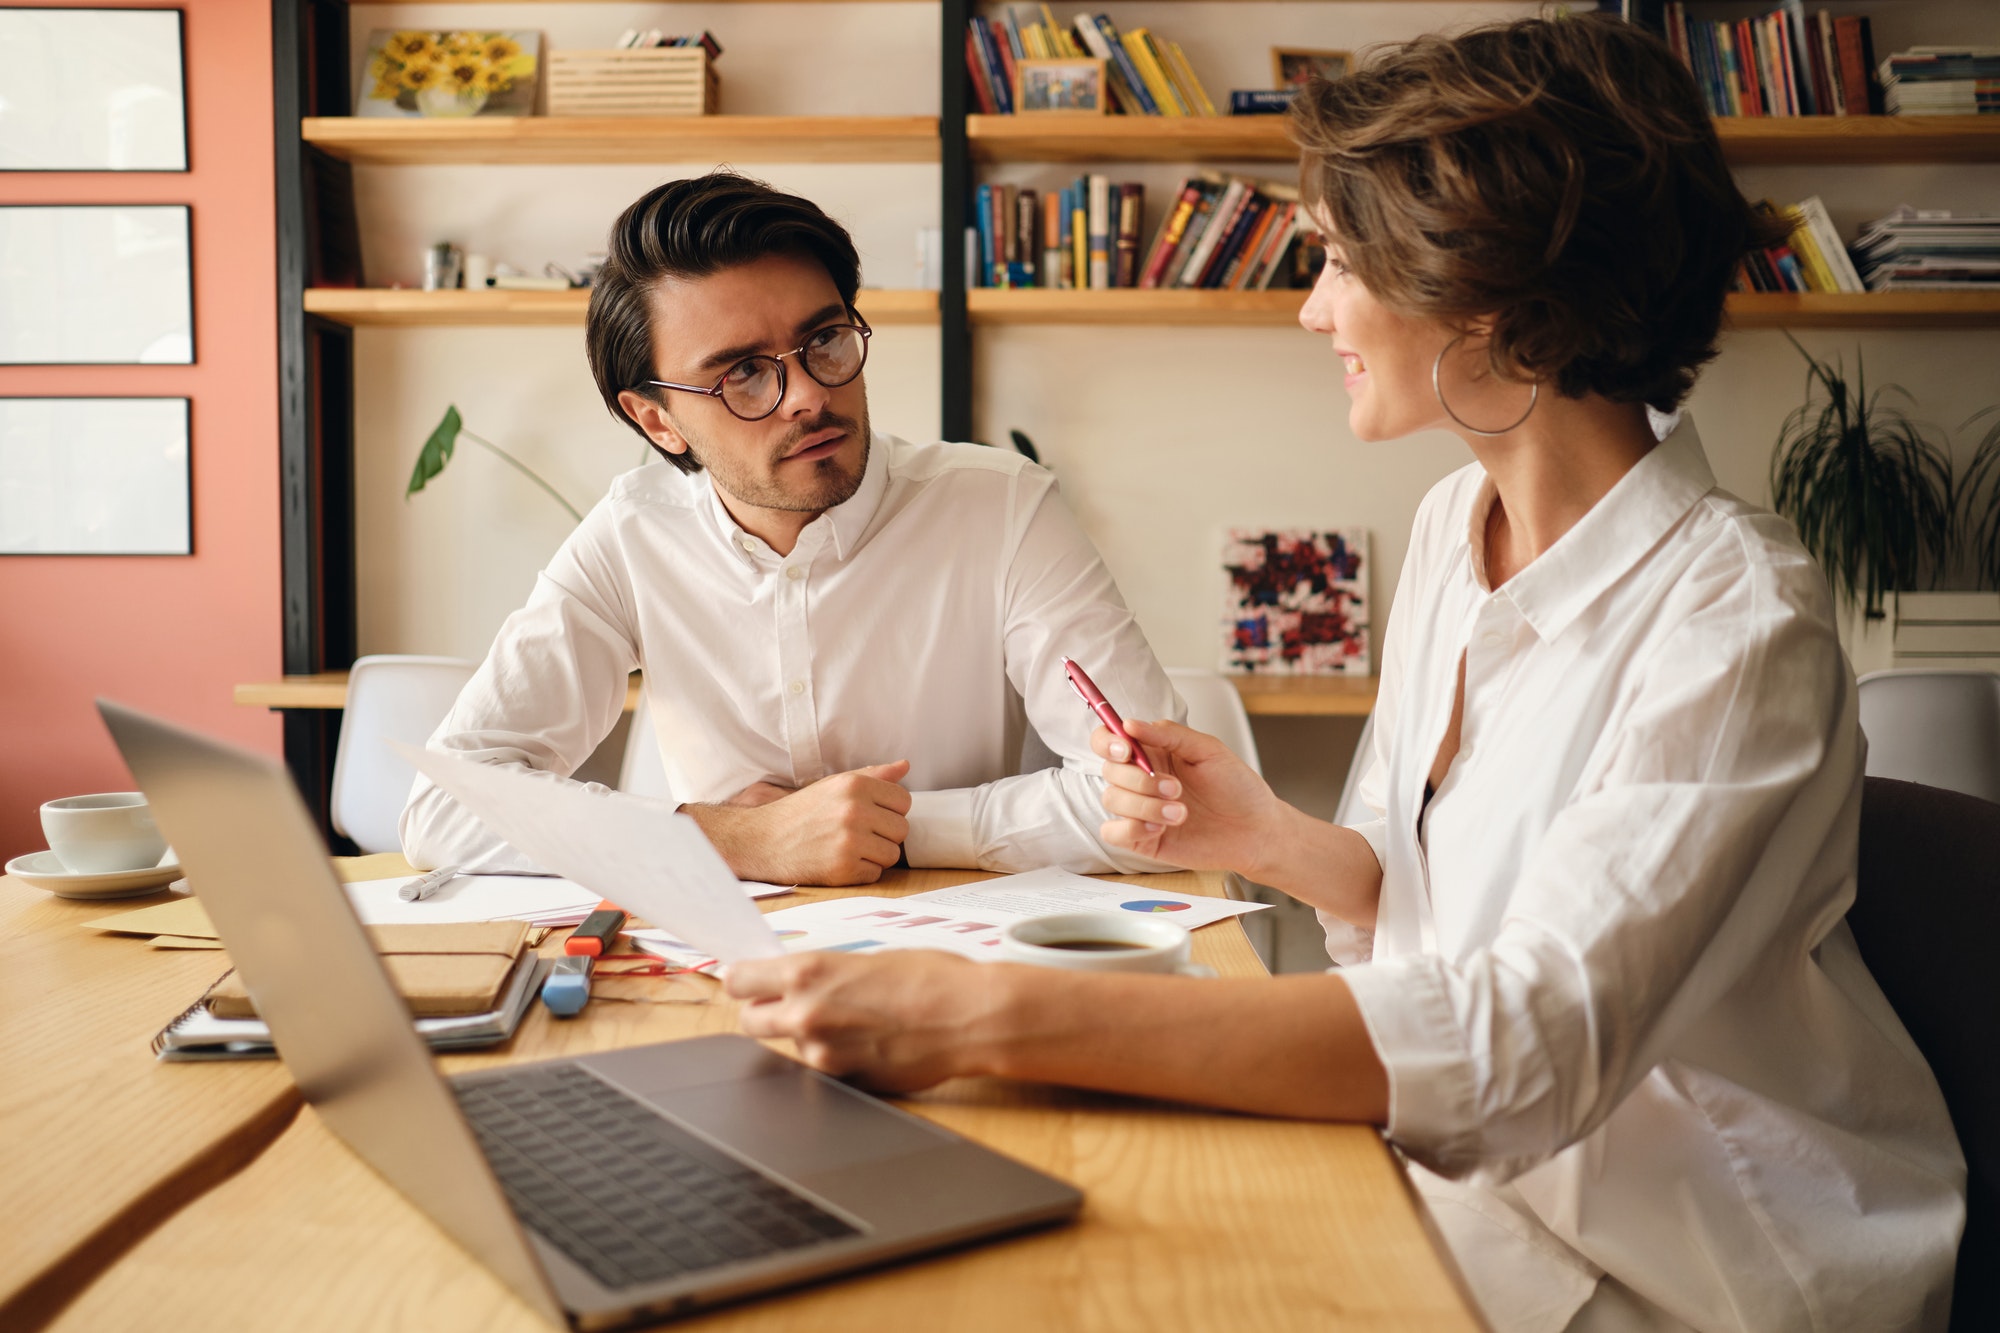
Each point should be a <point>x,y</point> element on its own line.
<point>1093,699</point>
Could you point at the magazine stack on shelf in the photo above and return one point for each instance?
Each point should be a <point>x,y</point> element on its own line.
<point>1942,81</point>
<point>1781,63</point>
<point>1930,250</point>
<point>1147,75</point>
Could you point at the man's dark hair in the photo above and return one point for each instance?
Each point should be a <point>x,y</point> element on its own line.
<point>691,229</point>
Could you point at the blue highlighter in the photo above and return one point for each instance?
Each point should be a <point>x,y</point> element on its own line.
<point>568,988</point>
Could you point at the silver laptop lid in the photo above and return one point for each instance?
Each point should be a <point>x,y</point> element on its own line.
<point>256,862</point>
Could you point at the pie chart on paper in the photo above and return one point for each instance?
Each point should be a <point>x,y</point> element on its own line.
<point>1153,905</point>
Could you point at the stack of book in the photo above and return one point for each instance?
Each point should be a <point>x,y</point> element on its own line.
<point>1781,63</point>
<point>1227,234</point>
<point>1811,259</point>
<point>1942,81</point>
<point>1146,75</point>
<point>1921,250</point>
<point>1084,235</point>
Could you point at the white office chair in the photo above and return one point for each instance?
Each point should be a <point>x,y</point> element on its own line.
<point>643,771</point>
<point>1215,707</point>
<point>389,697</point>
<point>1937,727</point>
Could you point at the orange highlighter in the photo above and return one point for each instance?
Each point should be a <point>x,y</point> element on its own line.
<point>594,938</point>
<point>1093,699</point>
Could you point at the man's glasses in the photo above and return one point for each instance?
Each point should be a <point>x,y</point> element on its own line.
<point>752,388</point>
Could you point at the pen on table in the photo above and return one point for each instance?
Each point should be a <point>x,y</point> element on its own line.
<point>424,887</point>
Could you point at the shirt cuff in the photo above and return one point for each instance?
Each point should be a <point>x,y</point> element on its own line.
<point>1377,833</point>
<point>1410,1021</point>
<point>941,832</point>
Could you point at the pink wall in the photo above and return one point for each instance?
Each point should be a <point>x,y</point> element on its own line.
<point>170,634</point>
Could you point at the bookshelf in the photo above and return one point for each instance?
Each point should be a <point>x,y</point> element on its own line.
<point>1747,310</point>
<point>512,140</point>
<point>406,308</point>
<point>1747,141</point>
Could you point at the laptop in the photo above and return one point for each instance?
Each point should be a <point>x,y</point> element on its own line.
<point>604,1189</point>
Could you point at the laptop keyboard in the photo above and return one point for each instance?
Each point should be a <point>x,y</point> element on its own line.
<point>629,1195</point>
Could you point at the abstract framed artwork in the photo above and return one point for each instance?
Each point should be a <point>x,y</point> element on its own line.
<point>95,476</point>
<point>92,90</point>
<point>1297,602</point>
<point>96,284</point>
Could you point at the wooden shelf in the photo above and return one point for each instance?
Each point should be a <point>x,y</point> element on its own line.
<point>1747,310</point>
<point>507,140</point>
<point>1131,305</point>
<point>370,307</point>
<point>1846,140</point>
<point>1306,696</point>
<point>1263,696</point>
<point>1865,310</point>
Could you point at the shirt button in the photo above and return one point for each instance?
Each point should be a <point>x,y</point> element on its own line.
<point>797,687</point>
<point>749,545</point>
<point>1491,638</point>
<point>794,573</point>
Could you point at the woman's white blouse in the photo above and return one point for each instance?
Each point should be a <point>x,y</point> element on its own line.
<point>1626,1028</point>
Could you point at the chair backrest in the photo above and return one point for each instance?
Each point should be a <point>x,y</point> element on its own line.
<point>1215,707</point>
<point>1939,728</point>
<point>643,771</point>
<point>389,698</point>
<point>1925,915</point>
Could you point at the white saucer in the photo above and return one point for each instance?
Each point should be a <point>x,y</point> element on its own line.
<point>44,871</point>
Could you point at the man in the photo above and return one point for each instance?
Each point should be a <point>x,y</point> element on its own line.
<point>838,629</point>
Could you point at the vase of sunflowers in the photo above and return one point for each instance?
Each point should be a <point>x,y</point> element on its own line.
<point>414,71</point>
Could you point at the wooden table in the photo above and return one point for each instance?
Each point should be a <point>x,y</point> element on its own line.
<point>1194,1219</point>
<point>1263,696</point>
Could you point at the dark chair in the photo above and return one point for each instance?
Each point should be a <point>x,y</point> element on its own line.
<point>1927,917</point>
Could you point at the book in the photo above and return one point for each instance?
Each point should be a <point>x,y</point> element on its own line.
<point>1819,225</point>
<point>1079,225</point>
<point>1185,197</point>
<point>1216,226</point>
<point>975,68</point>
<point>1027,217</point>
<point>1204,210</point>
<point>1232,240</point>
<point>1100,233</point>
<point>1124,95</point>
<point>1131,211</point>
<point>1114,51</point>
<point>1236,276</point>
<point>1261,102</point>
<point>998,78</point>
<point>1154,77</point>
<point>1052,228</point>
<point>1185,80</point>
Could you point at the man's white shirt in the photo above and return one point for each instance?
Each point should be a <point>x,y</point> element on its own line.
<point>911,622</point>
<point>1627,1031</point>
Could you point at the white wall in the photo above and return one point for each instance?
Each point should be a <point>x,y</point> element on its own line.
<point>1162,437</point>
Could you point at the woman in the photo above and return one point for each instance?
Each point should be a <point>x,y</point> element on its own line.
<point>1598,985</point>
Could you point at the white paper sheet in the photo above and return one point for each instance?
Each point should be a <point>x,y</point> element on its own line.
<point>634,851</point>
<point>535,898</point>
<point>1043,892</point>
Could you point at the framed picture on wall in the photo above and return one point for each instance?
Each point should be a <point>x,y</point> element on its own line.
<point>1297,602</point>
<point>92,90</point>
<point>1295,67</point>
<point>96,284</point>
<point>95,476</point>
<point>453,74</point>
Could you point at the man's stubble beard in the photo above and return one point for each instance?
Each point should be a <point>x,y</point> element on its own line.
<point>829,485</point>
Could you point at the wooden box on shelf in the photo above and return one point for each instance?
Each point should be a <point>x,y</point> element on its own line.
<point>655,81</point>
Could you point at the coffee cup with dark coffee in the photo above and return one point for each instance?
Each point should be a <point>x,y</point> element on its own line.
<point>1101,942</point>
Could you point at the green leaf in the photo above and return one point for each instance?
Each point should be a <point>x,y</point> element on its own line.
<point>436,452</point>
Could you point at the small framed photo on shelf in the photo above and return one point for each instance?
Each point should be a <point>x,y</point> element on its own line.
<point>419,72</point>
<point>1060,88</point>
<point>1295,67</point>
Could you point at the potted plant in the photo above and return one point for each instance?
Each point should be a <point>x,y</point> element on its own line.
<point>443,441</point>
<point>1979,496</point>
<point>1870,493</point>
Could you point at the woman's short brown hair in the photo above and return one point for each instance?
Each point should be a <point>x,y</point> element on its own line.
<point>1561,175</point>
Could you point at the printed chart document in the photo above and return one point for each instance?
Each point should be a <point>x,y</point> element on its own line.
<point>965,919</point>
<point>632,850</point>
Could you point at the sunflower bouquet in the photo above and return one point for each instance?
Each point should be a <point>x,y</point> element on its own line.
<point>446,73</point>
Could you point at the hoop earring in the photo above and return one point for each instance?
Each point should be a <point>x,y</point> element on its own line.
<point>1437,387</point>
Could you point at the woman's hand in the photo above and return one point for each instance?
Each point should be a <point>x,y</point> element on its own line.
<point>895,1022</point>
<point>1205,808</point>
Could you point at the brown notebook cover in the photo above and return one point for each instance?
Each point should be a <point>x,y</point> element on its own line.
<point>442,970</point>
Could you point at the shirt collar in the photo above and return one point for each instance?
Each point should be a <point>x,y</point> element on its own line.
<point>848,522</point>
<point>1563,581</point>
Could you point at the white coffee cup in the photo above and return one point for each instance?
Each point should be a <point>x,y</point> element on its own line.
<point>1101,942</point>
<point>110,831</point>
